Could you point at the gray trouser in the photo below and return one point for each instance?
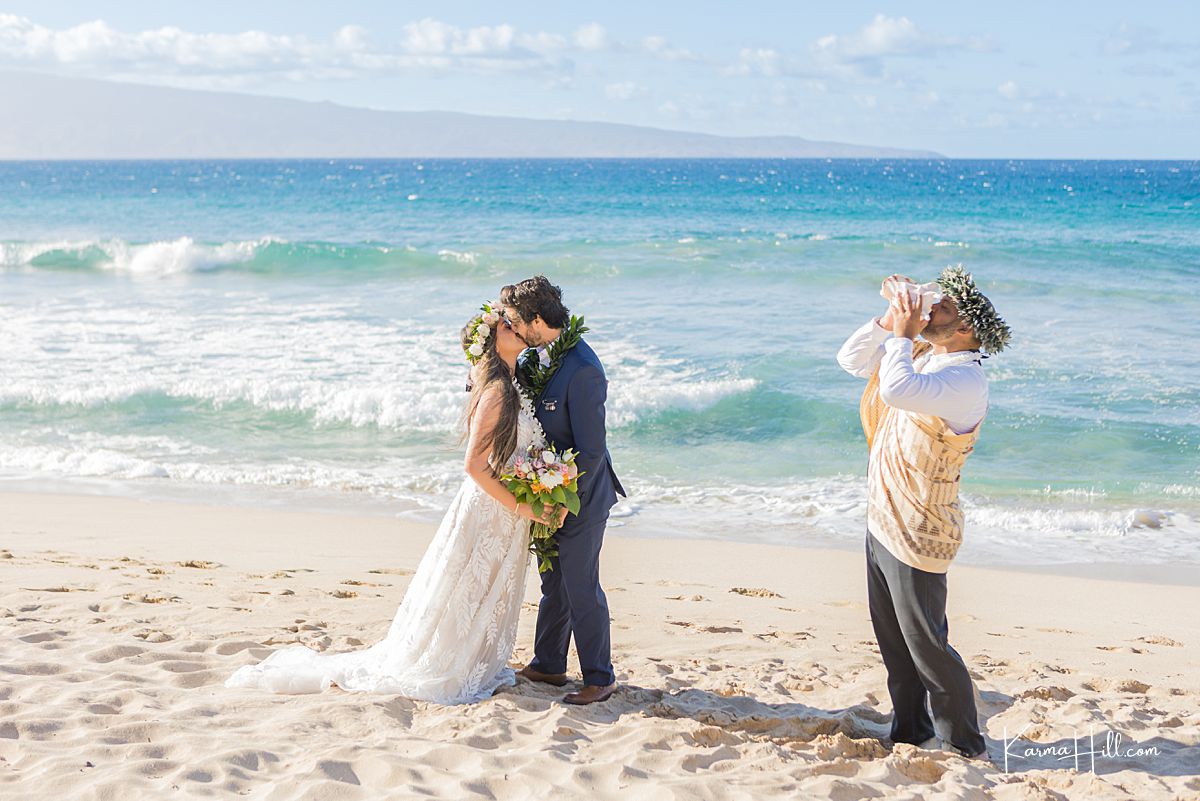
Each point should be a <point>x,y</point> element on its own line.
<point>908,612</point>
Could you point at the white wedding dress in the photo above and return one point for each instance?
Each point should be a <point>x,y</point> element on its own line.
<point>454,632</point>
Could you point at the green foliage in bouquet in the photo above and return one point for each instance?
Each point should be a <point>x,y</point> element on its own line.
<point>546,480</point>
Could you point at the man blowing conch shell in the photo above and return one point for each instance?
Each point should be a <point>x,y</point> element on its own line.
<point>921,411</point>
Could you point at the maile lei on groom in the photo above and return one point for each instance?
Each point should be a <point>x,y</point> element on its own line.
<point>532,374</point>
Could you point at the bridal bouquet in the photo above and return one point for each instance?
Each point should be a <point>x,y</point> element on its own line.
<point>545,479</point>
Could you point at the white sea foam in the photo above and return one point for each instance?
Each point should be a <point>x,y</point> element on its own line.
<point>316,359</point>
<point>424,483</point>
<point>643,382</point>
<point>168,257</point>
<point>461,257</point>
<point>77,463</point>
<point>832,511</point>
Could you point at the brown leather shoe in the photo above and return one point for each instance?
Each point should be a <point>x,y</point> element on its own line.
<point>557,679</point>
<point>591,694</point>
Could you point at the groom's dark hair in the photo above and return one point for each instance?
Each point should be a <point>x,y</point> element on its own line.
<point>537,297</point>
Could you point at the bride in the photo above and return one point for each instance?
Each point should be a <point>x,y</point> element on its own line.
<point>454,632</point>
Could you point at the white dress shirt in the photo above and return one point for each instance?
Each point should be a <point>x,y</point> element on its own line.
<point>543,352</point>
<point>951,386</point>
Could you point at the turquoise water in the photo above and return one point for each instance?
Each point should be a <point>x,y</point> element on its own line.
<point>287,330</point>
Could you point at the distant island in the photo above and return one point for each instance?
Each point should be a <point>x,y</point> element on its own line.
<point>51,117</point>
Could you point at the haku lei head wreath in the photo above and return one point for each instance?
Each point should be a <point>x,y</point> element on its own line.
<point>975,309</point>
<point>482,327</point>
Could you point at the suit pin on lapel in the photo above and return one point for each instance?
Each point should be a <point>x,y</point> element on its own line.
<point>550,404</point>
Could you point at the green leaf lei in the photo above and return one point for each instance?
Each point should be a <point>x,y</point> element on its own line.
<point>530,373</point>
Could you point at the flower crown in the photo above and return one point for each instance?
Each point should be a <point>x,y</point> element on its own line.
<point>975,309</point>
<point>482,327</point>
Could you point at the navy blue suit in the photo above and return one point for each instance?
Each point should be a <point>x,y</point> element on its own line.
<point>571,411</point>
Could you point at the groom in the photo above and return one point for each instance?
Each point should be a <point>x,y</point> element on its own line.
<point>570,389</point>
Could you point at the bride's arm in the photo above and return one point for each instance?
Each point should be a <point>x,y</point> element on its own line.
<point>487,414</point>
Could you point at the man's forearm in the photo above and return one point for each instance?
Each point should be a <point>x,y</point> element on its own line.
<point>860,354</point>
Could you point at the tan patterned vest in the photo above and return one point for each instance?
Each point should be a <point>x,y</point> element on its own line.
<point>912,480</point>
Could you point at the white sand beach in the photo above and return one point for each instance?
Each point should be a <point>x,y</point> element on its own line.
<point>747,672</point>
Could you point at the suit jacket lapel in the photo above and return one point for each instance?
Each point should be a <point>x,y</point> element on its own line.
<point>554,384</point>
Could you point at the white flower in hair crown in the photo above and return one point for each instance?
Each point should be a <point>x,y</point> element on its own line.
<point>483,326</point>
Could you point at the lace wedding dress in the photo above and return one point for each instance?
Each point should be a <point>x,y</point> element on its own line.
<point>454,632</point>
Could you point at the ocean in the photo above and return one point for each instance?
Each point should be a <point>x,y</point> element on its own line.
<point>285,333</point>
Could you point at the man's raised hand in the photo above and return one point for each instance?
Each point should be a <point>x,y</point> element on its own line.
<point>906,316</point>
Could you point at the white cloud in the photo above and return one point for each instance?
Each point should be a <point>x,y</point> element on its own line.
<point>625,90</point>
<point>864,52</point>
<point>591,37</point>
<point>433,37</point>
<point>1009,89</point>
<point>424,44</point>
<point>23,41</point>
<point>757,61</point>
<point>882,36</point>
<point>351,37</point>
<point>659,47</point>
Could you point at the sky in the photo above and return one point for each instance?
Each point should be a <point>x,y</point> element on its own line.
<point>1014,79</point>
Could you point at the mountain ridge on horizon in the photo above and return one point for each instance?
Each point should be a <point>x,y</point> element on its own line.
<point>65,118</point>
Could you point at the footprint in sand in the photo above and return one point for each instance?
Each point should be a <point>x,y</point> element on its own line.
<point>1160,639</point>
<point>344,594</point>
<point>712,737</point>
<point>43,636</point>
<point>62,588</point>
<point>199,564</point>
<point>391,571</point>
<point>1046,694</point>
<point>1102,685</point>
<point>698,762</point>
<point>986,661</point>
<point>755,592</point>
<point>149,598</point>
<point>113,653</point>
<point>839,746</point>
<point>909,760</point>
<point>686,598</point>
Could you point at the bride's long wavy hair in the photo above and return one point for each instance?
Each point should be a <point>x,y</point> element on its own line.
<point>491,371</point>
